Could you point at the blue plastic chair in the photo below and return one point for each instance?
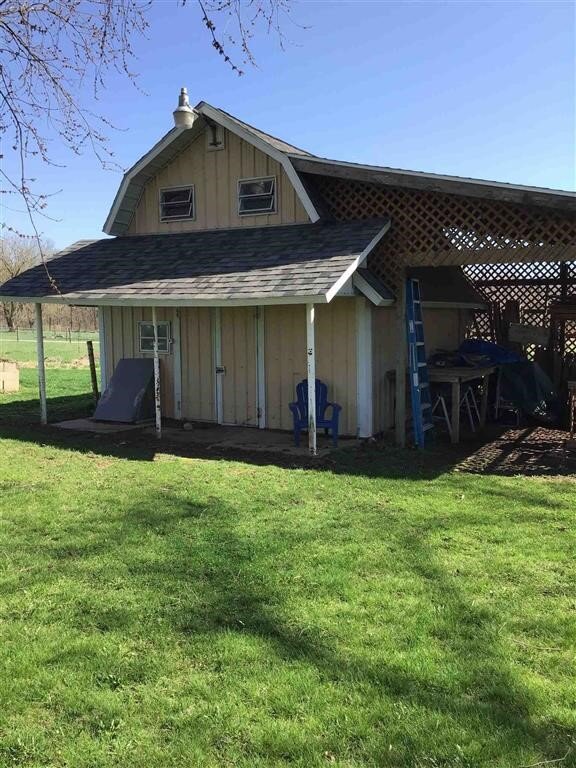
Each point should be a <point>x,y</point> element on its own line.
<point>300,411</point>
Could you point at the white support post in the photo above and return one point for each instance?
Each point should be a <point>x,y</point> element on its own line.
<point>177,357</point>
<point>311,357</point>
<point>157,404</point>
<point>401,362</point>
<point>41,368</point>
<point>102,319</point>
<point>364,380</point>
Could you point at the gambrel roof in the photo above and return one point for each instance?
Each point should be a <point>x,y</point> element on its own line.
<point>176,140</point>
<point>296,161</point>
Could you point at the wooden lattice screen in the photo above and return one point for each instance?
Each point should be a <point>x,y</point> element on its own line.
<point>510,251</point>
<point>436,229</point>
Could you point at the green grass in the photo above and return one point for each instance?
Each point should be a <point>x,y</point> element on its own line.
<point>158,610</point>
<point>57,351</point>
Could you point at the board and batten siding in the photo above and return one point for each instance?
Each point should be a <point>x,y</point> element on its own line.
<point>384,342</point>
<point>121,336</point>
<point>285,361</point>
<point>239,380</point>
<point>215,175</point>
<point>198,364</point>
<point>445,329</point>
<point>285,356</point>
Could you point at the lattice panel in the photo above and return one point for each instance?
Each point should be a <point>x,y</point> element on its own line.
<point>436,229</point>
<point>534,286</point>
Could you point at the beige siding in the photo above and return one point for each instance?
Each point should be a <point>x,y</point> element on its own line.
<point>444,329</point>
<point>285,355</point>
<point>285,360</point>
<point>122,341</point>
<point>384,340</point>
<point>239,389</point>
<point>215,177</point>
<point>336,357</point>
<point>198,367</point>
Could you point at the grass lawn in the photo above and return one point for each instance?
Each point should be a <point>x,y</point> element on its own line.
<point>159,610</point>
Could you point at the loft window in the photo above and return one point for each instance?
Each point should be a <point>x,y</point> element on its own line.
<point>146,337</point>
<point>177,203</point>
<point>256,196</point>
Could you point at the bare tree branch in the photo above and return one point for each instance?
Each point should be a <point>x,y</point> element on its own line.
<point>51,50</point>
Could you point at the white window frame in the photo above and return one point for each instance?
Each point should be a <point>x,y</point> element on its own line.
<point>274,195</point>
<point>169,339</point>
<point>168,219</point>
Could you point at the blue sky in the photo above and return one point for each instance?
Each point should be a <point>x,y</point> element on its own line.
<point>477,89</point>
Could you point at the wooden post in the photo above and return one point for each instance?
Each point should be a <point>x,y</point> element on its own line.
<point>41,368</point>
<point>311,357</point>
<point>157,404</point>
<point>92,363</point>
<point>401,360</point>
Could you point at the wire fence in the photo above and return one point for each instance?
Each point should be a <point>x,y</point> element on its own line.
<point>64,335</point>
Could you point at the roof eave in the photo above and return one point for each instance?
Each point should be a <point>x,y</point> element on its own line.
<point>83,300</point>
<point>432,182</point>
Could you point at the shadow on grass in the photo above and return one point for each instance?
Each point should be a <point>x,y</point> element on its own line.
<point>533,451</point>
<point>224,585</point>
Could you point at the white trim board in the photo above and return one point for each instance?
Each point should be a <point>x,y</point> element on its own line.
<point>364,380</point>
<point>371,293</point>
<point>126,301</point>
<point>358,261</point>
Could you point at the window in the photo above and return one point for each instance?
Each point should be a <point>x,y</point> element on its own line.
<point>256,196</point>
<point>146,336</point>
<point>177,203</point>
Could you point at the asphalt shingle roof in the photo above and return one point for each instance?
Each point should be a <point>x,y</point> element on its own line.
<point>235,264</point>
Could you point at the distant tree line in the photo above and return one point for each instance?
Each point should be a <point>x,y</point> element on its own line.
<point>18,254</point>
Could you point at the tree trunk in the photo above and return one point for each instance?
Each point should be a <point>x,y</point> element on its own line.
<point>9,312</point>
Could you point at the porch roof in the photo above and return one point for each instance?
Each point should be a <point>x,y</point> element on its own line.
<point>296,263</point>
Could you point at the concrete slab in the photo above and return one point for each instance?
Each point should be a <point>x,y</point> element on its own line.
<point>99,427</point>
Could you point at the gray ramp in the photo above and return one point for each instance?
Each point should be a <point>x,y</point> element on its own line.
<point>129,397</point>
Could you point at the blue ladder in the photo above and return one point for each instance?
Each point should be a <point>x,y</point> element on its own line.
<point>419,382</point>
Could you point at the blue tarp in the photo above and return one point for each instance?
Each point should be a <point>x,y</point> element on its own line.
<point>523,382</point>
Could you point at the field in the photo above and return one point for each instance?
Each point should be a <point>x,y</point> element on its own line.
<point>59,351</point>
<point>160,609</point>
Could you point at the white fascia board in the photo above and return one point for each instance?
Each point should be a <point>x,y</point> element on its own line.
<point>130,301</point>
<point>569,194</point>
<point>281,157</point>
<point>367,290</point>
<point>358,261</point>
<point>136,169</point>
